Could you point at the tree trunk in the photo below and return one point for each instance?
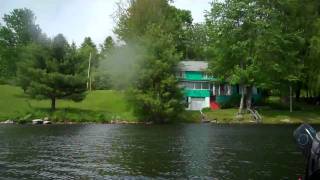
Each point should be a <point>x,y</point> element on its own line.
<point>242,100</point>
<point>298,92</point>
<point>290,98</point>
<point>249,97</point>
<point>53,104</point>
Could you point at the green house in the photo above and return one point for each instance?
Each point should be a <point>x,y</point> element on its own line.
<point>201,90</point>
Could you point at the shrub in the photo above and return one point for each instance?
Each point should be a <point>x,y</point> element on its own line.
<point>206,109</point>
<point>102,81</point>
<point>232,102</point>
<point>282,106</point>
<point>102,118</point>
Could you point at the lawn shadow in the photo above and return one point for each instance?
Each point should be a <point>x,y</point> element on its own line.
<point>308,116</point>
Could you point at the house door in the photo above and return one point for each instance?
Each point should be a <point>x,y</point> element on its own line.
<point>197,103</point>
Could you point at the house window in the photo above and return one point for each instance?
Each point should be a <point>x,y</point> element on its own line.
<point>190,85</point>
<point>223,90</point>
<point>197,85</point>
<point>254,90</point>
<point>205,86</point>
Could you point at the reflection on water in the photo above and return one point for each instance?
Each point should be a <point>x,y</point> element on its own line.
<point>160,151</point>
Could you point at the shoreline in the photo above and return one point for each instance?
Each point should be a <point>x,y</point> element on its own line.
<point>152,123</point>
<point>113,109</point>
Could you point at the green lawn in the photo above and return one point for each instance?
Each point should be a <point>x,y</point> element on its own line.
<point>97,106</point>
<point>270,115</point>
<point>106,105</point>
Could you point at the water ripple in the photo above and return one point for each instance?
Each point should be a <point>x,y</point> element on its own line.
<point>140,152</point>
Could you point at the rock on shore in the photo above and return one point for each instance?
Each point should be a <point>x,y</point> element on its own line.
<point>8,122</point>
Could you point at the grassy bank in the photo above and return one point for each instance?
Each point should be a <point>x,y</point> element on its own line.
<point>98,106</point>
<point>272,113</point>
<point>107,105</point>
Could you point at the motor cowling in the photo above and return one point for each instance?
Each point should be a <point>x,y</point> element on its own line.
<point>308,142</point>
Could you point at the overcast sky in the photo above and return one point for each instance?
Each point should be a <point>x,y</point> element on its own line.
<point>77,19</point>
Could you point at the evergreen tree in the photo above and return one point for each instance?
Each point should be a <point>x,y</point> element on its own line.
<point>107,45</point>
<point>54,71</point>
<point>102,75</point>
<point>154,27</point>
<point>155,94</point>
<point>89,52</point>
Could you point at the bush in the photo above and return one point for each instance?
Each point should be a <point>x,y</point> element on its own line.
<point>2,81</point>
<point>102,81</point>
<point>102,118</point>
<point>30,115</point>
<point>206,109</point>
<point>281,106</point>
<point>8,80</point>
<point>232,102</point>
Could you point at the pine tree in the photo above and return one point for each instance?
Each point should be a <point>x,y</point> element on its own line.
<point>53,72</point>
<point>155,94</point>
<point>155,28</point>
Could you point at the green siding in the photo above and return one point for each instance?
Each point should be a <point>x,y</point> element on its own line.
<point>196,93</point>
<point>222,99</point>
<point>256,98</point>
<point>196,76</point>
<point>193,76</point>
<point>225,99</point>
<point>234,90</point>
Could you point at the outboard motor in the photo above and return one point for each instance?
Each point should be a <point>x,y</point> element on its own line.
<point>308,142</point>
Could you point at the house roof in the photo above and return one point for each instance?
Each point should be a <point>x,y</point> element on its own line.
<point>193,65</point>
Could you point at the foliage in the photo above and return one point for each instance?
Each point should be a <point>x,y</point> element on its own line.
<point>196,42</point>
<point>231,103</point>
<point>312,80</point>
<point>272,45</point>
<point>53,72</point>
<point>89,53</point>
<point>154,94</point>
<point>133,21</point>
<point>251,46</point>
<point>102,81</point>
<point>107,45</point>
<point>102,76</point>
<point>19,30</point>
<point>88,47</point>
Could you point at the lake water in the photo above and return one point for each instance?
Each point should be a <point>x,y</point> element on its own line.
<point>193,151</point>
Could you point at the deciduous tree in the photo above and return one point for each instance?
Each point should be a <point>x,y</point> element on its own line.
<point>251,46</point>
